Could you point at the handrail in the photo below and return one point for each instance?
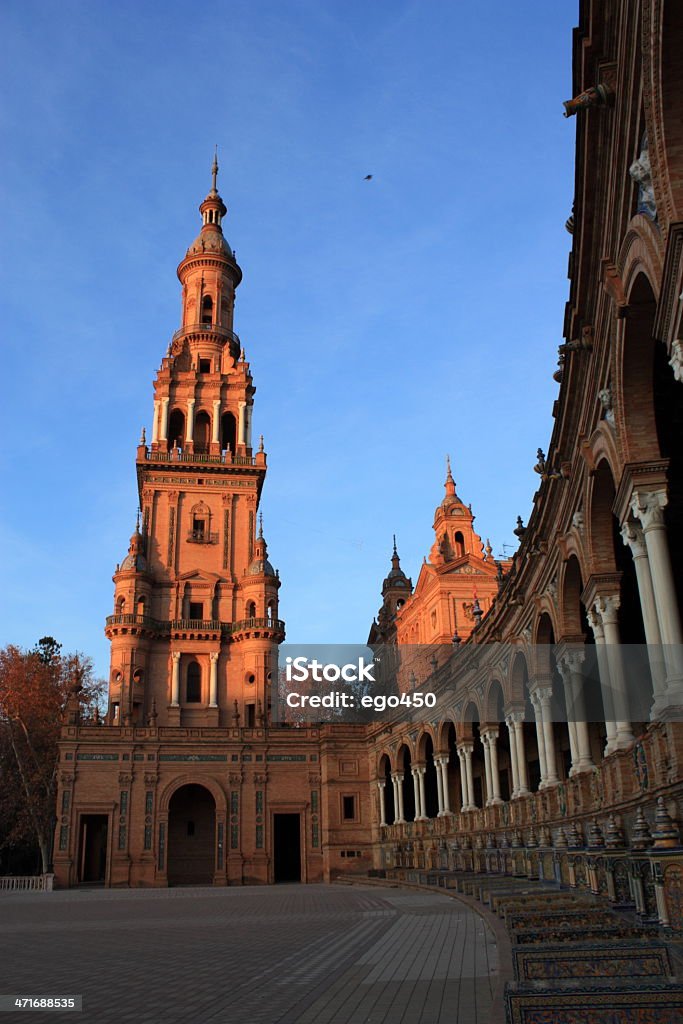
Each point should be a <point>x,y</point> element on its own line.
<point>208,625</point>
<point>223,332</point>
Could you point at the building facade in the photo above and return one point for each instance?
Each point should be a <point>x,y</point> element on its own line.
<point>189,780</point>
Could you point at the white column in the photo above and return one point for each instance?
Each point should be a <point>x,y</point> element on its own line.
<point>492,737</point>
<point>509,721</point>
<point>443,764</point>
<point>247,425</point>
<point>175,679</point>
<point>382,806</point>
<point>466,749</point>
<point>398,802</point>
<point>216,422</point>
<point>189,423</point>
<point>418,789</point>
<point>607,608</point>
<point>241,406</point>
<point>540,737</point>
<point>163,428</point>
<point>545,696</point>
<point>463,780</point>
<point>649,508</point>
<point>569,667</point>
<point>487,768</point>
<point>632,535</point>
<point>155,422</point>
<point>518,722</point>
<point>439,786</point>
<point>213,680</point>
<point>603,670</point>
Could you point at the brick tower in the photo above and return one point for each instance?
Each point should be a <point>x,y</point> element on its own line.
<point>186,780</point>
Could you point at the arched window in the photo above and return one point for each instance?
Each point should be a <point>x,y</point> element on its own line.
<point>194,683</point>
<point>269,611</point>
<point>120,605</point>
<point>141,604</point>
<point>202,432</point>
<point>458,545</point>
<point>207,310</point>
<point>251,609</point>
<point>228,432</point>
<point>176,429</point>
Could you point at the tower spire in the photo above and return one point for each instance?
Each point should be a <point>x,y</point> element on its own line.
<point>214,171</point>
<point>450,482</point>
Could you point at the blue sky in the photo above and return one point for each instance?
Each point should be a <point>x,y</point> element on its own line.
<point>387,322</point>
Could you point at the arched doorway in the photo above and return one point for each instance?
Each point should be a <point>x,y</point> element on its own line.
<point>191,836</point>
<point>385,777</point>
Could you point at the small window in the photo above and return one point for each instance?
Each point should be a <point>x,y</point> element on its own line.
<point>196,610</point>
<point>198,528</point>
<point>205,366</point>
<point>349,808</point>
<point>115,714</point>
<point>251,715</point>
<point>190,828</point>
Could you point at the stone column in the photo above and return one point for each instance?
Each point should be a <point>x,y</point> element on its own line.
<point>189,425</point>
<point>216,422</point>
<point>443,765</point>
<point>487,768</point>
<point>175,679</point>
<point>155,422</point>
<point>649,509</point>
<point>465,752</point>
<point>570,669</point>
<point>241,422</point>
<point>595,623</point>
<point>545,696</point>
<point>247,425</point>
<point>420,797</point>
<point>397,779</point>
<point>607,608</point>
<point>518,722</point>
<point>381,783</point>
<point>540,737</point>
<point>163,426</point>
<point>632,535</point>
<point>463,780</point>
<point>439,786</point>
<point>509,721</point>
<point>491,737</point>
<point>213,680</point>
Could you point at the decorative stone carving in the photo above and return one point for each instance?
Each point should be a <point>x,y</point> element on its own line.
<point>606,400</point>
<point>641,172</point>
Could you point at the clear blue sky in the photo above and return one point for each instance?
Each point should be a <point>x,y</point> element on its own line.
<point>387,322</point>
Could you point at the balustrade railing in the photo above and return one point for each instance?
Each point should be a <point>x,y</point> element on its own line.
<point>206,625</point>
<point>25,883</point>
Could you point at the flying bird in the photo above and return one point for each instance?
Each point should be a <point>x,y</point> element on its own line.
<point>368,177</point>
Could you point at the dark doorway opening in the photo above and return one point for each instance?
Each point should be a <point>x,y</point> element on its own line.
<point>191,836</point>
<point>92,858</point>
<point>287,847</point>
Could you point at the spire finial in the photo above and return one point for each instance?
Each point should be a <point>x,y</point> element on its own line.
<point>395,551</point>
<point>260,526</point>
<point>214,170</point>
<point>137,521</point>
<point>450,482</point>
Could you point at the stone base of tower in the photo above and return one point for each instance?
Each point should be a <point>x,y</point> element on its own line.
<point>168,806</point>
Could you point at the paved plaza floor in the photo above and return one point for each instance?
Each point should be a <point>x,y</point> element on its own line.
<point>294,954</point>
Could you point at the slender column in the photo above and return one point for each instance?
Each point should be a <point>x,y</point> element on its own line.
<point>241,422</point>
<point>518,721</point>
<point>633,536</point>
<point>492,738</point>
<point>213,680</point>
<point>155,422</point>
<point>381,783</point>
<point>247,425</point>
<point>417,793</point>
<point>487,768</point>
<point>509,721</point>
<point>463,780</point>
<point>189,425</point>
<point>649,508</point>
<point>467,749</point>
<point>540,737</point>
<point>607,608</point>
<point>397,779</point>
<point>216,422</point>
<point>175,679</point>
<point>439,786</point>
<point>443,765</point>
<point>603,671</point>
<point>163,428</point>
<point>545,696</point>
<point>570,668</point>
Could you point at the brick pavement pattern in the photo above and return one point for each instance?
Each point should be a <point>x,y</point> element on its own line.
<point>291,954</point>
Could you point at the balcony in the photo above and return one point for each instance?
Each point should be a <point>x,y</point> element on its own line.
<point>178,455</point>
<point>163,627</point>
<point>214,330</point>
<point>202,537</point>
